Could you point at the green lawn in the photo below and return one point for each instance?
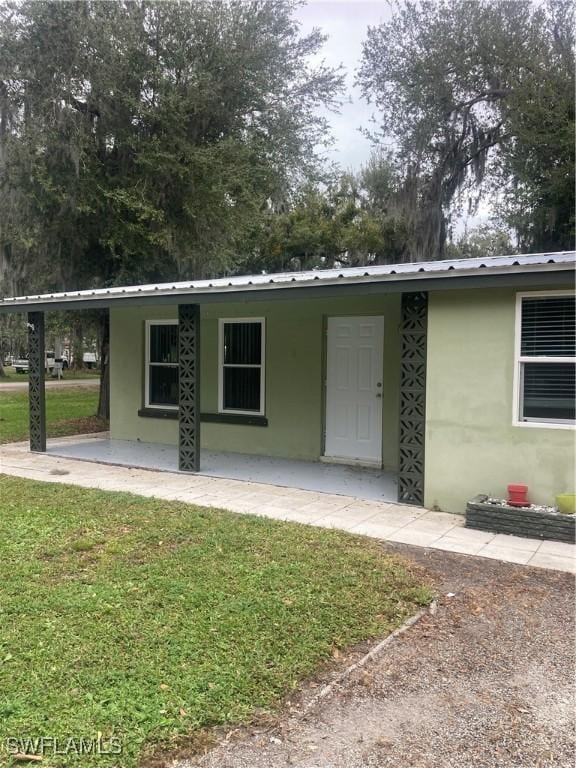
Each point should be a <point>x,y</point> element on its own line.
<point>68,412</point>
<point>151,621</point>
<point>12,377</point>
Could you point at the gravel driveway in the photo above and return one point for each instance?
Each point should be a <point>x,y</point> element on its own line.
<point>488,681</point>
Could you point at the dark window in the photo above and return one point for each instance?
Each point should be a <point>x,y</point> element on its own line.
<point>242,372</point>
<point>242,389</point>
<point>549,391</point>
<point>162,365</point>
<point>164,344</point>
<point>548,327</point>
<point>163,385</point>
<point>548,359</point>
<point>243,343</point>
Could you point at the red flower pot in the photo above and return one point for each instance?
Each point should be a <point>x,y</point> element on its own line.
<point>518,495</point>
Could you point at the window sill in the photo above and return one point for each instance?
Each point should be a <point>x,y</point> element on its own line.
<point>214,418</point>
<point>544,425</point>
<point>159,413</point>
<point>235,418</point>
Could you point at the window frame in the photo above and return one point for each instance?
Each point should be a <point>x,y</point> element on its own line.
<point>222,321</point>
<point>520,360</point>
<point>148,364</point>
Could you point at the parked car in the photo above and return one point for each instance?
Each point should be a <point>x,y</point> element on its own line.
<point>64,361</point>
<point>21,365</point>
<point>90,359</point>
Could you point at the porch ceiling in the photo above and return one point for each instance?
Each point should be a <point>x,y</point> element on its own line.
<point>520,270</point>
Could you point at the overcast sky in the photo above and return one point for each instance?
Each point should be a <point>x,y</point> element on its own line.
<point>345,22</point>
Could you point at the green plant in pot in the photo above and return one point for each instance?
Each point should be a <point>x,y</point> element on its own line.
<point>566,503</point>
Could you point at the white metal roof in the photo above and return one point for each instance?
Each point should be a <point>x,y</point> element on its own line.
<point>400,273</point>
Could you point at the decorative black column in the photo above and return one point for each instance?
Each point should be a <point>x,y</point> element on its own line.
<point>413,334</point>
<point>36,390</point>
<point>189,387</point>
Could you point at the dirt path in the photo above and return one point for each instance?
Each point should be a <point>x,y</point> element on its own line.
<point>486,682</point>
<point>22,386</point>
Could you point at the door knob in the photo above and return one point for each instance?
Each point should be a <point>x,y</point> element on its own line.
<point>378,394</point>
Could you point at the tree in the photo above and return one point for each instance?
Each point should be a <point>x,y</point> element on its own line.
<point>454,82</point>
<point>140,141</point>
<point>483,241</point>
<point>13,338</point>
<point>350,221</point>
<point>536,164</point>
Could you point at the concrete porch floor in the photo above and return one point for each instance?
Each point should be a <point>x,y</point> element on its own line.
<point>360,482</point>
<point>377,519</point>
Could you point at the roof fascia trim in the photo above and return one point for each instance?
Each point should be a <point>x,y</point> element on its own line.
<point>564,276</point>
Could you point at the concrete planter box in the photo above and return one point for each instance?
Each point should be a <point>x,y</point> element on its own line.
<point>532,522</point>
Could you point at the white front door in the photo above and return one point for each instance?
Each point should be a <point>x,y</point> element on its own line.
<point>354,389</point>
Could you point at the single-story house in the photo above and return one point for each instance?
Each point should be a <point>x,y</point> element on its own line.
<point>454,377</point>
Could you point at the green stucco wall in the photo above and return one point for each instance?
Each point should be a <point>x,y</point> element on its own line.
<point>471,445</point>
<point>294,376</point>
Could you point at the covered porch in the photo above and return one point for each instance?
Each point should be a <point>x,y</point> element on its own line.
<point>360,482</point>
<point>256,390</point>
